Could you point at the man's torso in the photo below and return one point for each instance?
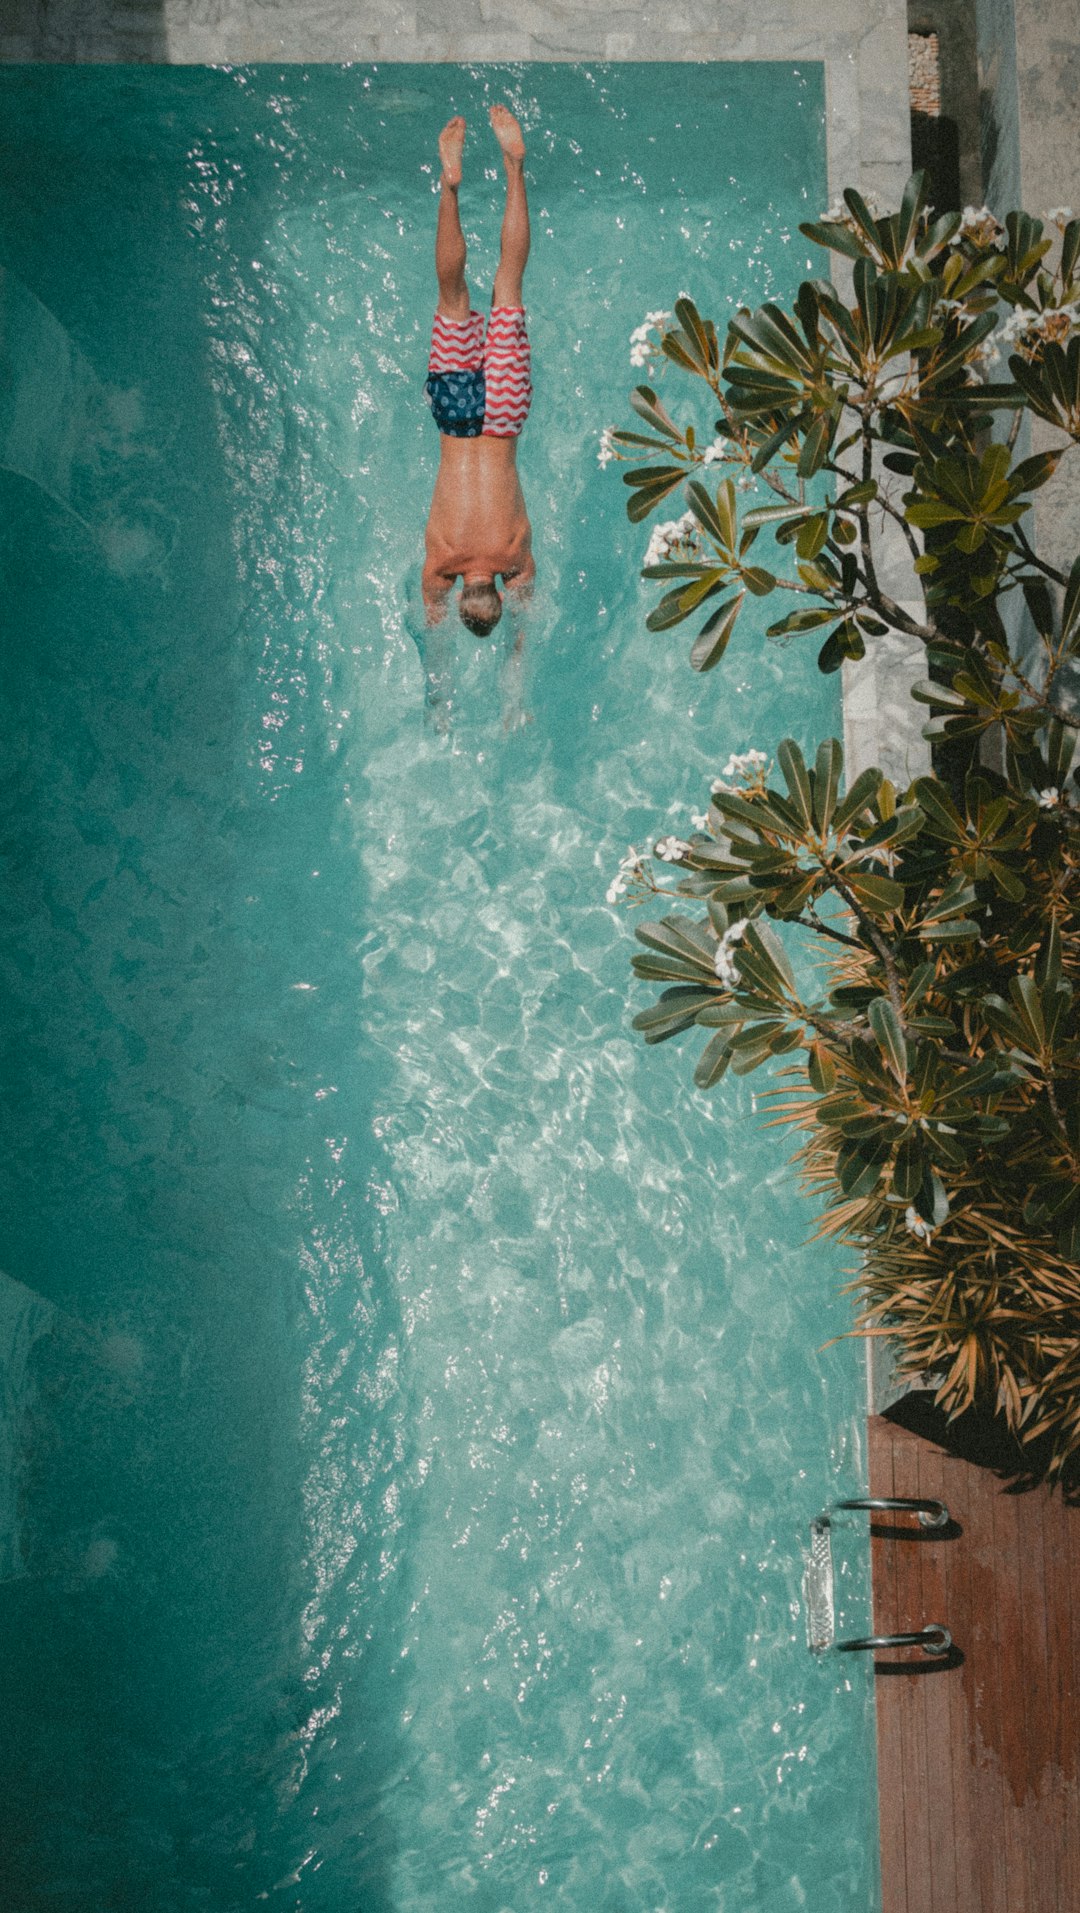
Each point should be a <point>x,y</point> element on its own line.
<point>478,518</point>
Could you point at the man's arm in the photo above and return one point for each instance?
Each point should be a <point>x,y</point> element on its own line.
<point>520,582</point>
<point>435,588</point>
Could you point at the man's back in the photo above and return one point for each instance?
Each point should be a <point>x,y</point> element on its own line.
<point>478,517</point>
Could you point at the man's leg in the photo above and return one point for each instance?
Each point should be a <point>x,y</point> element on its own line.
<point>514,250</point>
<point>449,238</point>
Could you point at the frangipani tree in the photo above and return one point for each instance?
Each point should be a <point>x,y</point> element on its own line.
<point>936,1079</point>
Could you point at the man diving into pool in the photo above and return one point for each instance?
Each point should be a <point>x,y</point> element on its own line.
<point>479,390</point>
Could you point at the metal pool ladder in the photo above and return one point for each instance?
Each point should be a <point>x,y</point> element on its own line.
<point>934,1639</point>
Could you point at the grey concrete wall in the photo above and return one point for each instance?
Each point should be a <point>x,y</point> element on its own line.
<point>1047,86</point>
<point>999,105</point>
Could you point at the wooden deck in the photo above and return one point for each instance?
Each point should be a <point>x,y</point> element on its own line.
<point>977,1757</point>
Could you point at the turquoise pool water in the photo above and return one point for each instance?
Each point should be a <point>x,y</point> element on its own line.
<point>418,1396</point>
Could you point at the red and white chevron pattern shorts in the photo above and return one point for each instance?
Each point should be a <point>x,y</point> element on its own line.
<point>502,354</point>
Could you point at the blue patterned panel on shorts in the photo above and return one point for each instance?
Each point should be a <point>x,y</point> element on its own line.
<point>457,400</point>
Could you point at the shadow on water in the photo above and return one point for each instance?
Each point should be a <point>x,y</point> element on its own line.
<point>181,1016</point>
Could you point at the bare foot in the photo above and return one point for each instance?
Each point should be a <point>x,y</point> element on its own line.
<point>451,146</point>
<point>507,131</point>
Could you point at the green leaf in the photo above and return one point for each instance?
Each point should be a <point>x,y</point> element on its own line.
<point>676,1011</point>
<point>1030,473</point>
<point>820,1068</point>
<point>889,1032</point>
<point>670,610</point>
<point>827,771</point>
<point>797,778</point>
<point>712,640</point>
<point>1025,994</point>
<point>772,514</point>
<point>766,947</point>
<point>845,642</point>
<point>807,620</point>
<point>910,1166</point>
<point>815,447</point>
<point>706,514</point>
<point>857,798</point>
<point>859,1170</point>
<point>713,1061</point>
<point>665,970</point>
<point>647,497</point>
<point>940,811</point>
<point>860,494</point>
<point>931,1201</point>
<point>837,237</point>
<point>678,937</point>
<point>812,535</point>
<point>877,893</point>
<point>1071,601</point>
<point>647,406</point>
<point>954,930</point>
<point>758,580</point>
<point>688,317</point>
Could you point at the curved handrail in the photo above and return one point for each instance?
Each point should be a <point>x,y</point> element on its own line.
<point>934,1640</point>
<point>932,1514</point>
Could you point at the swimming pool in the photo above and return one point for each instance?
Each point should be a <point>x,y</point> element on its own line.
<point>428,1398</point>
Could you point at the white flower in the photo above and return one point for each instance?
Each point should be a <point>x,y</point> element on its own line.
<point>607,450</point>
<point>641,346</point>
<point>746,764</point>
<point>672,534</point>
<point>630,867</point>
<point>670,850</point>
<point>1060,216</point>
<point>699,820</point>
<point>916,1223</point>
<point>1025,329</point>
<point>1048,798</point>
<point>724,958</point>
<point>980,225</point>
<point>715,452</point>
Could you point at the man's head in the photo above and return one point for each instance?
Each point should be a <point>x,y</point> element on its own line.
<point>480,606</point>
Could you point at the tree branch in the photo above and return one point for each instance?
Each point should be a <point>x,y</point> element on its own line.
<point>1049,571</point>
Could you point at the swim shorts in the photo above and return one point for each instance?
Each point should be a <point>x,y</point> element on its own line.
<point>478,383</point>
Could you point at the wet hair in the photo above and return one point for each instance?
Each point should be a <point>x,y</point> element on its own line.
<point>480,608</point>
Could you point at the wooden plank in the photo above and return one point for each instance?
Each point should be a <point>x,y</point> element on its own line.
<point>956,1568</point>
<point>978,1760</point>
<point>935,1685</point>
<point>907,1672</point>
<point>1010,1725</point>
<point>976,1628</point>
<point>1035,1813</point>
<point>892,1816</point>
<point>1058,1567</point>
